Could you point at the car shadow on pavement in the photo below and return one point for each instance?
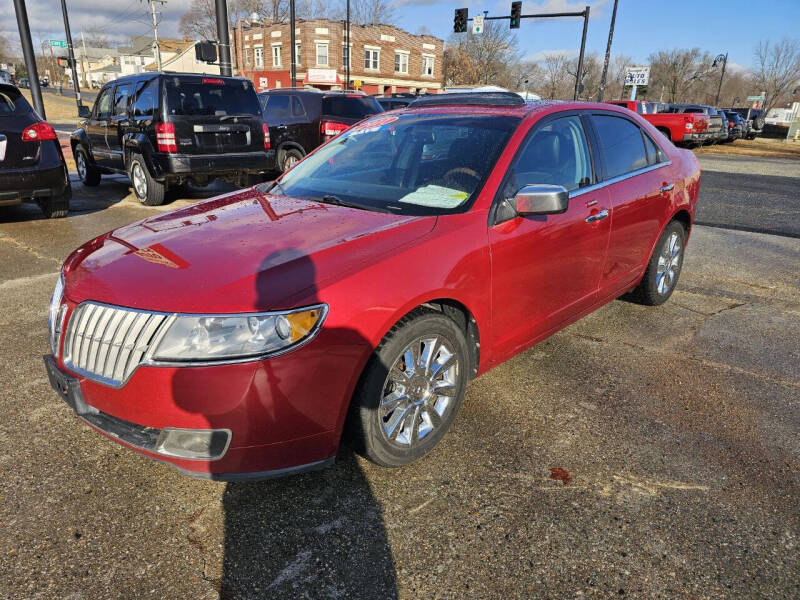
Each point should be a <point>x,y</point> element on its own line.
<point>318,534</point>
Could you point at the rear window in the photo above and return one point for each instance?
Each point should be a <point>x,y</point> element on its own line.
<point>350,107</point>
<point>210,96</point>
<point>13,103</point>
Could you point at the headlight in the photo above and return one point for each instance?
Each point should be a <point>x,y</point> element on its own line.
<point>227,337</point>
<point>55,317</point>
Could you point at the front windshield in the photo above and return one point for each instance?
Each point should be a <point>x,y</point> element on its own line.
<point>409,164</point>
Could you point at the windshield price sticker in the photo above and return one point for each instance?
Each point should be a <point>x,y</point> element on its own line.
<point>373,125</point>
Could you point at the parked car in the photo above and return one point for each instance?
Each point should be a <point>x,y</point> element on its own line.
<point>737,126</point>
<point>166,129</point>
<point>24,82</point>
<point>682,129</point>
<point>362,290</point>
<point>299,120</point>
<point>755,121</point>
<point>715,120</point>
<point>32,167</point>
<point>397,100</point>
<point>724,134</point>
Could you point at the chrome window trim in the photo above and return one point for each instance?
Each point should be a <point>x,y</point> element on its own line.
<point>617,179</point>
<point>148,360</point>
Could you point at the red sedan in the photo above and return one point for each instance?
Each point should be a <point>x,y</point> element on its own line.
<point>360,292</point>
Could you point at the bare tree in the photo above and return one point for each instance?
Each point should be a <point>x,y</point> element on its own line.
<point>777,69</point>
<point>483,58</point>
<point>200,21</point>
<point>97,39</point>
<point>679,71</point>
<point>555,70</point>
<point>365,12</point>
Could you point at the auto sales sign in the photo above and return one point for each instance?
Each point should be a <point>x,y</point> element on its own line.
<point>637,76</point>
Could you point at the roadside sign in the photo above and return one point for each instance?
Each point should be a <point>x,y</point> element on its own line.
<point>357,84</point>
<point>58,43</point>
<point>756,98</point>
<point>263,83</point>
<point>477,24</point>
<point>637,75</point>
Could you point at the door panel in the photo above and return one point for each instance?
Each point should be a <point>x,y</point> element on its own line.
<point>96,127</point>
<point>547,268</point>
<point>117,124</point>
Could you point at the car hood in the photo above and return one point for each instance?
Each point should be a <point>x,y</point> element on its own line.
<point>246,251</point>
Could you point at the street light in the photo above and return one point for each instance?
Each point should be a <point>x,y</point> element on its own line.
<point>720,58</point>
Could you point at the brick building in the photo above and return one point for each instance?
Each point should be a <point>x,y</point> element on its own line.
<point>384,58</point>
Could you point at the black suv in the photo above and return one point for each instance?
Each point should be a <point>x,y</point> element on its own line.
<point>166,129</point>
<point>299,120</point>
<point>32,165</point>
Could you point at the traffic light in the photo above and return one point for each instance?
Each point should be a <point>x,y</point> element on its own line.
<point>460,21</point>
<point>516,13</point>
<point>65,62</point>
<point>206,51</point>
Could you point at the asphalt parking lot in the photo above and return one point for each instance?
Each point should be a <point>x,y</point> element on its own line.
<point>677,427</point>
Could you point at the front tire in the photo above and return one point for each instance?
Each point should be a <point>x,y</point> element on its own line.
<point>411,389</point>
<point>149,191</point>
<point>87,172</point>
<point>664,268</point>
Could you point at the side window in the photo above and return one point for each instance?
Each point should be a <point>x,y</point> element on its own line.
<point>556,154</point>
<point>122,94</point>
<point>278,107</point>
<point>144,103</point>
<point>102,108</point>
<point>297,107</point>
<point>621,144</point>
<point>654,153</point>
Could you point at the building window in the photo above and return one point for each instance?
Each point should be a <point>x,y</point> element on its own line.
<point>322,55</point>
<point>258,54</point>
<point>346,56</point>
<point>276,55</point>
<point>247,56</point>
<point>298,54</point>
<point>427,66</point>
<point>401,62</point>
<point>372,59</point>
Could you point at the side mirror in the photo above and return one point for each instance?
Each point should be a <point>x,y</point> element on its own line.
<point>541,199</point>
<point>83,111</point>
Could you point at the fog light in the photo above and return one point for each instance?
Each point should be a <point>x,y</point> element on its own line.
<point>198,444</point>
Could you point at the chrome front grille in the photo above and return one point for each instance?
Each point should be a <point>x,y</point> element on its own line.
<point>107,343</point>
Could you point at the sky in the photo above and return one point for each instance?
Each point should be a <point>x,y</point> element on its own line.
<point>643,26</point>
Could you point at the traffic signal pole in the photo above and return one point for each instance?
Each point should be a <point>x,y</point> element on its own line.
<point>30,57</point>
<point>460,21</point>
<point>71,54</point>
<point>224,38</point>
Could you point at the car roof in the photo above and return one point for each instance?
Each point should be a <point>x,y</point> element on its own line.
<point>153,75</point>
<point>522,111</point>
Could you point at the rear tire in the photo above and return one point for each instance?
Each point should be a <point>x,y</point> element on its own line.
<point>664,268</point>
<point>401,411</point>
<point>288,158</point>
<point>87,172</point>
<point>58,207</point>
<point>149,191</point>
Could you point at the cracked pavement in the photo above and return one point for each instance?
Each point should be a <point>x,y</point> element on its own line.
<point>677,427</point>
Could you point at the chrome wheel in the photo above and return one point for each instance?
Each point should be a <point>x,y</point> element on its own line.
<point>138,180</point>
<point>290,161</point>
<point>669,261</point>
<point>419,390</point>
<point>80,164</point>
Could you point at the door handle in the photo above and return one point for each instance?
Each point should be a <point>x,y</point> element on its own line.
<point>667,187</point>
<point>597,217</point>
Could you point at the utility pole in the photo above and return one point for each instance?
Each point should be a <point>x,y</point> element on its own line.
<point>88,65</point>
<point>30,57</point>
<point>608,53</point>
<point>224,41</point>
<point>347,46</point>
<point>579,74</point>
<point>724,59</point>
<point>293,43</point>
<point>156,47</point>
<point>71,54</point>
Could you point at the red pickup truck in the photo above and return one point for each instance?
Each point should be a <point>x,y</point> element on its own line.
<point>683,129</point>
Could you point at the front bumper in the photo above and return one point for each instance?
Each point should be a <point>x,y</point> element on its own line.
<point>31,183</point>
<point>281,419</point>
<point>217,165</point>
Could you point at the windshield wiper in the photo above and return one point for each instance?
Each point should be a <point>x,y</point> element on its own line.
<point>276,184</point>
<point>331,199</point>
<point>241,116</point>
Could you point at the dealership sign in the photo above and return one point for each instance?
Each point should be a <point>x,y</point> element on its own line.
<point>328,76</point>
<point>637,76</point>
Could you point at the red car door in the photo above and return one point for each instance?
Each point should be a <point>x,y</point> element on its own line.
<point>639,180</point>
<point>547,268</point>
